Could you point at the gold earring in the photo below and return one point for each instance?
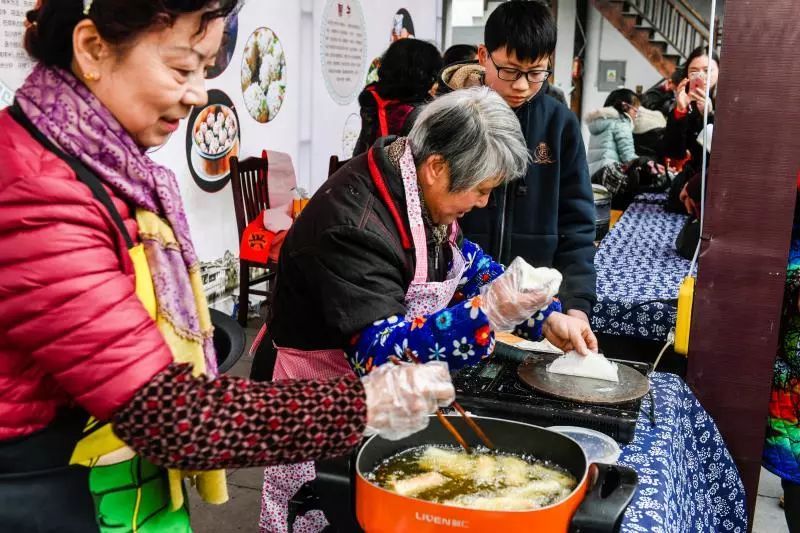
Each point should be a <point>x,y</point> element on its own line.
<point>91,76</point>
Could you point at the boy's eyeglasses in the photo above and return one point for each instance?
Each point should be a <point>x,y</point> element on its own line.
<point>513,74</point>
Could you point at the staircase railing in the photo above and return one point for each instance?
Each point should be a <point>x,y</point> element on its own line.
<point>699,18</point>
<point>672,24</point>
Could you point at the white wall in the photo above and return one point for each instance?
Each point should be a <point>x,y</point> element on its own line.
<point>326,118</point>
<point>467,35</point>
<point>605,42</point>
<point>465,10</point>
<point>565,48</point>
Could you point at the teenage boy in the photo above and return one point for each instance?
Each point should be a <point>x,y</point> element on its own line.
<point>547,217</point>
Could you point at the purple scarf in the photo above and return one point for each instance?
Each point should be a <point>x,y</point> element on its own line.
<point>68,114</point>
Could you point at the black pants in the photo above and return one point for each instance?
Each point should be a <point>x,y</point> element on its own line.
<point>791,505</point>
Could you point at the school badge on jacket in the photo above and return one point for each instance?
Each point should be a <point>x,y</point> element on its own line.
<point>543,155</point>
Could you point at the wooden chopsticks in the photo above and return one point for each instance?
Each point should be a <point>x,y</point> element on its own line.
<point>443,419</point>
<point>474,425</point>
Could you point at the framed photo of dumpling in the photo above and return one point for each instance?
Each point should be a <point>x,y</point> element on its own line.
<point>263,75</point>
<point>213,136</point>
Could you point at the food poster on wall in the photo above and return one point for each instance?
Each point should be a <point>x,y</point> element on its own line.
<point>402,28</point>
<point>251,79</point>
<point>263,75</point>
<point>15,64</point>
<point>350,133</point>
<point>229,36</point>
<point>212,138</point>
<point>343,49</point>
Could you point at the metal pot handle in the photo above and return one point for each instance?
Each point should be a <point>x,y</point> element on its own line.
<point>605,502</point>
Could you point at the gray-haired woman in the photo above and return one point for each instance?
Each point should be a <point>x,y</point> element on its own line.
<point>376,267</point>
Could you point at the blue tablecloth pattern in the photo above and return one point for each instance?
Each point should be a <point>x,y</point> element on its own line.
<point>639,273</point>
<point>688,481</point>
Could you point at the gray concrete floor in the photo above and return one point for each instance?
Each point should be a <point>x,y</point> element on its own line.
<point>240,514</point>
<point>769,515</point>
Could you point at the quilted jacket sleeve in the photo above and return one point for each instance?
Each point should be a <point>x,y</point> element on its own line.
<point>67,290</point>
<point>623,138</point>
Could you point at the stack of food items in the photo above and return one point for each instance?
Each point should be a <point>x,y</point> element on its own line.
<point>263,75</point>
<point>481,480</point>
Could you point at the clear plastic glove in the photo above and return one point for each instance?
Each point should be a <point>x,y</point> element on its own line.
<point>518,293</point>
<point>400,398</point>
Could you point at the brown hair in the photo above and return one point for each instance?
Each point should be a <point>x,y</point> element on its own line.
<point>48,38</point>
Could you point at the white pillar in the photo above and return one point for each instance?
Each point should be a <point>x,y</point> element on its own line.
<point>594,37</point>
<point>567,12</point>
<point>307,65</point>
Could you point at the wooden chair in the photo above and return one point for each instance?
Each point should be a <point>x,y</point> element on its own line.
<point>250,198</point>
<point>335,164</point>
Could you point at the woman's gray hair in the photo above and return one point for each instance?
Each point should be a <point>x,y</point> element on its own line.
<point>476,133</point>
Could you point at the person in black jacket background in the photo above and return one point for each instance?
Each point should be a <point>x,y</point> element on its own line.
<point>662,97</point>
<point>459,53</point>
<point>406,77</point>
<point>685,121</point>
<point>685,125</point>
<point>547,217</point>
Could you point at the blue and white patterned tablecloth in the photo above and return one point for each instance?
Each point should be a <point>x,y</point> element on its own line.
<point>688,481</point>
<point>639,273</point>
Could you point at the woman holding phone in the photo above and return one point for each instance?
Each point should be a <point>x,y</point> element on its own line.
<point>685,125</point>
<point>685,122</point>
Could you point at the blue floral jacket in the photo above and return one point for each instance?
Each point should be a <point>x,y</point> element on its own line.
<point>459,334</point>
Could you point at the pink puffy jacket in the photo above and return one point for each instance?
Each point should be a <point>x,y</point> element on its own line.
<point>72,330</point>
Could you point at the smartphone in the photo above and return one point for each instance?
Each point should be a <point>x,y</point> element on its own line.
<point>697,80</point>
<point>397,26</point>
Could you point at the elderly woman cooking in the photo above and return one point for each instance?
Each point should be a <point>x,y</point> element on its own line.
<point>376,267</point>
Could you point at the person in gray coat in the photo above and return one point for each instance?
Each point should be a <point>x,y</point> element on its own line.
<point>612,131</point>
<point>611,144</point>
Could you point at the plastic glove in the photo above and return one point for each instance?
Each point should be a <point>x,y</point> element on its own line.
<point>400,398</point>
<point>520,292</point>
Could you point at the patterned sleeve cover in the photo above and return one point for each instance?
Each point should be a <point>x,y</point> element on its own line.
<point>459,334</point>
<point>193,423</point>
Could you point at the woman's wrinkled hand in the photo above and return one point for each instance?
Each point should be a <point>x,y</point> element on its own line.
<point>569,333</point>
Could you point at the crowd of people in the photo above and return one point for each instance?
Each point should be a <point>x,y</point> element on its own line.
<point>109,394</point>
